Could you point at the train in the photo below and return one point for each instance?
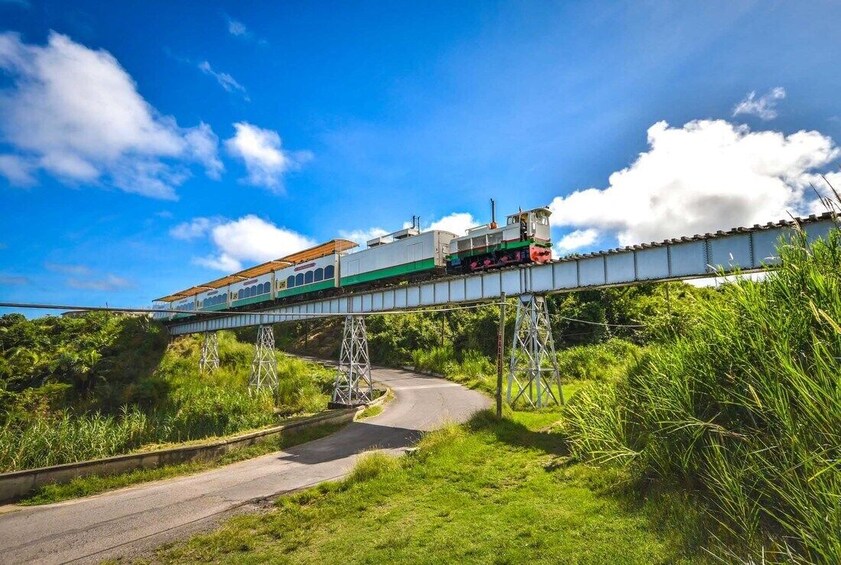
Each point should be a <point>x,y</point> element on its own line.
<point>333,267</point>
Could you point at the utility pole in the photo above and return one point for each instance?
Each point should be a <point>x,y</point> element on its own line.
<point>500,344</point>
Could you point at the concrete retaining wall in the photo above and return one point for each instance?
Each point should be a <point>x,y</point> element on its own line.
<point>16,485</point>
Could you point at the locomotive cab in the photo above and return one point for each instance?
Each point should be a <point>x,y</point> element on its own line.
<point>534,224</point>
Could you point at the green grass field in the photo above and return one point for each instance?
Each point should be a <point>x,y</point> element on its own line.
<point>487,492</point>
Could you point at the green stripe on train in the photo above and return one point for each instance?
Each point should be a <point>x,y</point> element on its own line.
<point>312,287</point>
<point>252,299</point>
<point>405,269</point>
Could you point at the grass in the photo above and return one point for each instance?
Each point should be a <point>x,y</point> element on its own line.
<point>743,410</point>
<point>179,406</point>
<point>487,492</point>
<point>86,486</point>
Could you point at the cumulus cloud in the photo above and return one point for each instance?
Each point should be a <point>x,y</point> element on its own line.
<point>362,236</point>
<point>764,107</point>
<point>225,80</point>
<point>265,160</point>
<point>576,240</point>
<point>247,240</point>
<point>456,223</point>
<point>704,176</point>
<point>76,114</point>
<point>195,228</point>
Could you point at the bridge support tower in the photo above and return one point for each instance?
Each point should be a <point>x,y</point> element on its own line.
<point>209,360</point>
<point>353,385</point>
<point>533,375</point>
<point>264,366</point>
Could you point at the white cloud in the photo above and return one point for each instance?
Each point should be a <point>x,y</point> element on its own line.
<point>247,240</point>
<point>237,28</point>
<point>17,170</point>
<point>76,113</point>
<point>68,269</point>
<point>576,240</point>
<point>109,282</point>
<point>13,280</point>
<point>222,262</point>
<point>362,236</point>
<point>707,175</point>
<point>225,80</point>
<point>456,223</point>
<point>265,160</point>
<point>195,228</point>
<point>241,31</point>
<point>764,107</point>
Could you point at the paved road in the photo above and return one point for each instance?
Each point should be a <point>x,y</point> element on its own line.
<point>137,519</point>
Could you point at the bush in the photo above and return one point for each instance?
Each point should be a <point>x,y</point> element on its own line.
<point>607,361</point>
<point>58,423</point>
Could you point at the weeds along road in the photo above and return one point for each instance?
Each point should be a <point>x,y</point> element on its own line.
<point>137,519</point>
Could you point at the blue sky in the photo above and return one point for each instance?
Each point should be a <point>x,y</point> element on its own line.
<point>149,146</point>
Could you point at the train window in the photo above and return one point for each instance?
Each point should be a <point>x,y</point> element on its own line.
<point>308,277</point>
<point>329,272</point>
<point>299,279</point>
<point>319,274</point>
<point>290,282</point>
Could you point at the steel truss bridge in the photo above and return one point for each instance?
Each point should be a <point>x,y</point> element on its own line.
<point>533,374</point>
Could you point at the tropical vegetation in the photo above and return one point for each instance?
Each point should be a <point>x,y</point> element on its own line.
<point>77,388</point>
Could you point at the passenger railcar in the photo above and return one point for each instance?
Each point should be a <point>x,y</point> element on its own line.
<point>404,253</point>
<point>310,276</point>
<point>252,290</point>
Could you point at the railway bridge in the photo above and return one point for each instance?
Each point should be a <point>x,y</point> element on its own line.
<point>533,375</point>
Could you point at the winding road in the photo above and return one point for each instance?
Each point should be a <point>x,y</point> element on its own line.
<point>134,520</point>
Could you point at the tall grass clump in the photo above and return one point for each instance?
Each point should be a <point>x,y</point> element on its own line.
<point>744,409</point>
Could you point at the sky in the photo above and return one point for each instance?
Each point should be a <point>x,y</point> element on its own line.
<point>146,147</point>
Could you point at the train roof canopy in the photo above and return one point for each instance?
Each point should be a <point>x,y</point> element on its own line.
<point>332,246</point>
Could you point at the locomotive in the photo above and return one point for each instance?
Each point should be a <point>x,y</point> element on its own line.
<point>407,254</point>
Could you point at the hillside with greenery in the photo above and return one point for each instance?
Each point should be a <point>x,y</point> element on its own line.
<point>77,388</point>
